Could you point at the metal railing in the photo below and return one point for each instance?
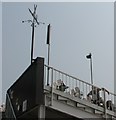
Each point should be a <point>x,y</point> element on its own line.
<point>79,88</point>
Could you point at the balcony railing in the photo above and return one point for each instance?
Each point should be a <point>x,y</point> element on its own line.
<point>79,88</point>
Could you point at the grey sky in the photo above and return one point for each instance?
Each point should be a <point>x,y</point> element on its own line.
<point>77,29</point>
<point>0,52</point>
<point>58,0</point>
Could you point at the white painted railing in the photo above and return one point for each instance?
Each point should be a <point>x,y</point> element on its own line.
<point>79,88</point>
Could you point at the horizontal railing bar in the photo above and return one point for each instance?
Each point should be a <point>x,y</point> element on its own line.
<point>70,76</point>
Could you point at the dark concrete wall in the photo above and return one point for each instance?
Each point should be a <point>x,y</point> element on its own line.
<point>27,91</point>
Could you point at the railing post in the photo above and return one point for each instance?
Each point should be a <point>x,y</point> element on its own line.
<point>48,76</point>
<point>41,112</point>
<point>51,87</point>
<point>104,95</point>
<point>92,94</point>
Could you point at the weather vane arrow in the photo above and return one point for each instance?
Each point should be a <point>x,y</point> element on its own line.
<point>33,22</point>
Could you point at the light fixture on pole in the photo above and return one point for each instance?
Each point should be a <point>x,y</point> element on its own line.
<point>90,57</point>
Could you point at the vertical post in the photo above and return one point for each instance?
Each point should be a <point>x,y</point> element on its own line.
<point>48,64</point>
<point>32,44</point>
<point>104,104</point>
<point>91,71</point>
<point>41,112</point>
<point>48,42</point>
<point>52,87</point>
<point>34,21</point>
<point>92,79</point>
<point>90,57</point>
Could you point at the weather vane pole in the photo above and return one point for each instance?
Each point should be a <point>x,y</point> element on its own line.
<point>34,22</point>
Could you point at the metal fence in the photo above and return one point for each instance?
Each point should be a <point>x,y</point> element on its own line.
<point>79,88</point>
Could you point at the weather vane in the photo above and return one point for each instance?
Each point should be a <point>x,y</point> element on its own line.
<point>33,22</point>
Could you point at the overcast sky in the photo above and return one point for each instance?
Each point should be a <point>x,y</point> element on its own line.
<point>77,29</point>
<point>58,0</point>
<point>0,52</point>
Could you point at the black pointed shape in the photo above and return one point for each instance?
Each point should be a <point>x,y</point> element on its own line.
<point>30,11</point>
<point>33,16</point>
<point>89,56</point>
<point>48,34</point>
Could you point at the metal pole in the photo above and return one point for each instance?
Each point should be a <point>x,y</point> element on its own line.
<point>91,71</point>
<point>48,64</point>
<point>91,76</point>
<point>52,87</point>
<point>105,104</point>
<point>34,21</point>
<point>48,42</point>
<point>41,112</point>
<point>33,25</point>
<point>90,57</point>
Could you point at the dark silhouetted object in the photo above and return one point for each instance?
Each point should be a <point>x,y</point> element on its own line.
<point>89,56</point>
<point>48,42</point>
<point>109,105</point>
<point>63,87</point>
<point>48,34</point>
<point>33,22</point>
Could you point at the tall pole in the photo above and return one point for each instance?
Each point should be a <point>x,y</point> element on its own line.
<point>33,23</point>
<point>48,64</point>
<point>33,29</point>
<point>90,57</point>
<point>48,43</point>
<point>91,71</point>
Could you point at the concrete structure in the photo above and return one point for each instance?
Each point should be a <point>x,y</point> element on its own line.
<point>64,97</point>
